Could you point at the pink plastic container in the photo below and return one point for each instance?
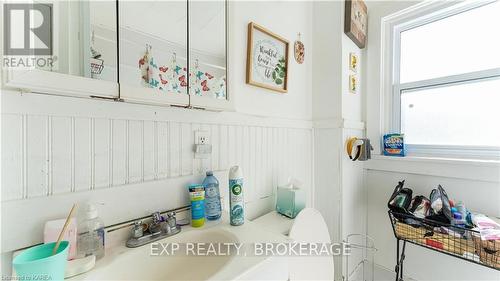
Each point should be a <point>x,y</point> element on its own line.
<point>52,230</point>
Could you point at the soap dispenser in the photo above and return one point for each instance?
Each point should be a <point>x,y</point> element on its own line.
<point>90,233</point>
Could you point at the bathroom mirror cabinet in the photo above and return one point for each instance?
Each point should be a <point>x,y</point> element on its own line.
<point>79,54</point>
<point>150,52</point>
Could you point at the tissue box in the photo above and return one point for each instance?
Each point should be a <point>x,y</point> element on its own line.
<point>290,201</point>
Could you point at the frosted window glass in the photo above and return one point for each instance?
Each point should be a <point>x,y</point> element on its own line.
<point>463,114</point>
<point>466,42</point>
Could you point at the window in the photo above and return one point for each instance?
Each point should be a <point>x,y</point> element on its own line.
<point>446,81</point>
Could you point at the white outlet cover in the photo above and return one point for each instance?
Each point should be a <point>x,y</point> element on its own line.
<point>201,137</point>
<point>202,151</point>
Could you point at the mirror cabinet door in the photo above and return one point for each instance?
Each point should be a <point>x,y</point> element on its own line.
<point>153,51</point>
<point>207,53</point>
<point>99,43</point>
<point>82,38</point>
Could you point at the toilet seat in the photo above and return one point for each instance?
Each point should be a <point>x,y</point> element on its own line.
<point>274,222</point>
<point>310,227</point>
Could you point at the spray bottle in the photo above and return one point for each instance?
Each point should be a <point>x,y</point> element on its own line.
<point>236,201</point>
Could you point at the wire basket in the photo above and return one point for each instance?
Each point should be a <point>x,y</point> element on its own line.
<point>453,240</point>
<point>96,66</point>
<point>489,251</point>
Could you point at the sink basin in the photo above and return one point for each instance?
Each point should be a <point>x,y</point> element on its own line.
<point>122,263</point>
<point>139,264</point>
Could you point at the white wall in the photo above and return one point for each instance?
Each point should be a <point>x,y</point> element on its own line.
<point>337,116</point>
<point>476,184</point>
<point>297,18</point>
<point>327,61</point>
<point>134,159</point>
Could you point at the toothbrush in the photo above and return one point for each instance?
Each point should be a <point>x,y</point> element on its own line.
<point>63,230</point>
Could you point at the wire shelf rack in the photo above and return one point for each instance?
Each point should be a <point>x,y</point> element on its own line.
<point>456,241</point>
<point>363,247</point>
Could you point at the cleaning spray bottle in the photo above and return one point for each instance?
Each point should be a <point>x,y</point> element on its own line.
<point>236,201</point>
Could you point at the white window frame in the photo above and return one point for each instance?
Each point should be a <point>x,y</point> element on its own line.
<point>393,26</point>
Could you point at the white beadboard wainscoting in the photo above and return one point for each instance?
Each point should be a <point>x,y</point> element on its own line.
<point>47,155</point>
<point>133,159</point>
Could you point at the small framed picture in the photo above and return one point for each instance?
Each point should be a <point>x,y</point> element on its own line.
<point>353,83</point>
<point>353,62</point>
<point>267,59</point>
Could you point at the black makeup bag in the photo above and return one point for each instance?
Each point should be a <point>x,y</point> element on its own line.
<point>400,200</point>
<point>440,210</point>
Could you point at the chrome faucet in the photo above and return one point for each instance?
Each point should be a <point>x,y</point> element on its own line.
<point>156,225</point>
<point>159,228</point>
<point>138,229</point>
<point>171,223</point>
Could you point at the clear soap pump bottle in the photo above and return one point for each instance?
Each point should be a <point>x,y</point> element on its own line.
<point>90,233</point>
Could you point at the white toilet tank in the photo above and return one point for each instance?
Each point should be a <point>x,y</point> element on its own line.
<point>308,227</point>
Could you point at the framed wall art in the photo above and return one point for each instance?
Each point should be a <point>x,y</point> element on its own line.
<point>355,21</point>
<point>267,59</point>
<point>353,83</point>
<point>353,62</point>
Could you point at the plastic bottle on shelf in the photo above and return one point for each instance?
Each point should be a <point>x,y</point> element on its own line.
<point>460,207</point>
<point>458,220</point>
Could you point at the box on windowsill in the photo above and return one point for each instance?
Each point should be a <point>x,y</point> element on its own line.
<point>394,145</point>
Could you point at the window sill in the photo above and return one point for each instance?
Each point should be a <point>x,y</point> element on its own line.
<point>443,160</point>
<point>471,169</point>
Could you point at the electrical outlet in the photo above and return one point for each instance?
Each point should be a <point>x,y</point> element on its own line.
<point>201,137</point>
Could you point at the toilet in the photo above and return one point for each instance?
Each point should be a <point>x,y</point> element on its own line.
<point>308,227</point>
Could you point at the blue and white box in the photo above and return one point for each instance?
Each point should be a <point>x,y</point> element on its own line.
<point>394,145</point>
